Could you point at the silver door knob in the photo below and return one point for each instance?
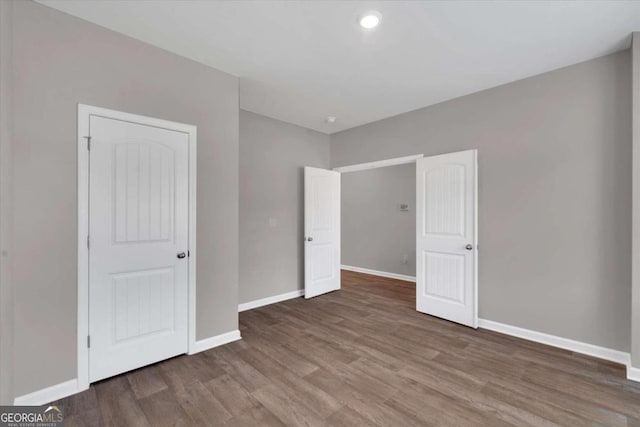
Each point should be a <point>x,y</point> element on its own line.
<point>468,247</point>
<point>181,255</point>
<point>309,239</point>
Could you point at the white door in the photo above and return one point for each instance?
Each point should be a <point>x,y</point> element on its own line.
<point>446,240</point>
<point>138,229</point>
<point>321,231</point>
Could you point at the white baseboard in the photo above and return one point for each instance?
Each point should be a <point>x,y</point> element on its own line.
<point>604,353</point>
<point>555,341</point>
<point>633,374</point>
<point>49,394</point>
<point>379,273</point>
<point>67,388</point>
<point>218,340</point>
<point>270,300</point>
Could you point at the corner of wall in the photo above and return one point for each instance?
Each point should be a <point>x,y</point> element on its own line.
<point>6,126</point>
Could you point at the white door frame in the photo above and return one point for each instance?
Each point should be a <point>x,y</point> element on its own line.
<point>379,164</point>
<point>84,113</point>
<point>412,159</point>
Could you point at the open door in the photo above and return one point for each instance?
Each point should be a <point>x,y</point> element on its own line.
<point>446,240</point>
<point>321,231</point>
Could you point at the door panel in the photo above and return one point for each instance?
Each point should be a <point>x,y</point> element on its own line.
<point>322,231</point>
<point>446,267</point>
<point>444,276</point>
<point>143,303</point>
<point>444,201</point>
<point>138,222</point>
<point>323,267</point>
<point>143,192</point>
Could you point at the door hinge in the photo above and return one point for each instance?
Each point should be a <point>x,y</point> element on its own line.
<point>87,241</point>
<point>188,253</point>
<point>88,341</point>
<point>88,138</point>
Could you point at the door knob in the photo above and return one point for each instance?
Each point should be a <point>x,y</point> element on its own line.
<point>181,255</point>
<point>468,247</point>
<point>309,239</point>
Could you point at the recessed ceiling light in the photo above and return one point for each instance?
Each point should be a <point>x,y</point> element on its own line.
<point>331,119</point>
<point>370,19</point>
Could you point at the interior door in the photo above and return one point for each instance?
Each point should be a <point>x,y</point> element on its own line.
<point>321,231</point>
<point>447,244</point>
<point>138,231</point>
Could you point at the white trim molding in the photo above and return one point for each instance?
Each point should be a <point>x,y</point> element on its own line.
<point>215,341</point>
<point>564,343</point>
<point>635,197</point>
<point>633,374</point>
<point>379,164</point>
<point>84,114</point>
<point>49,394</point>
<point>270,300</point>
<point>617,356</point>
<point>68,388</point>
<point>379,273</point>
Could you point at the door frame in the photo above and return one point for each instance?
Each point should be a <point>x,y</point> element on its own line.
<point>412,159</point>
<point>84,114</point>
<point>379,164</point>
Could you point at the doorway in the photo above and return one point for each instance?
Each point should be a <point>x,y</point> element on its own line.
<point>379,221</point>
<point>445,228</point>
<point>136,241</point>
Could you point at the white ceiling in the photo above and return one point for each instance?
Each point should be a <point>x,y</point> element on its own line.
<point>301,61</point>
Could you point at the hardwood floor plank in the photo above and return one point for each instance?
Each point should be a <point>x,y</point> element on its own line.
<point>468,405</point>
<point>438,410</point>
<point>339,388</point>
<point>233,396</point>
<point>595,415</point>
<point>379,414</point>
<point>321,403</point>
<point>147,381</point>
<point>347,417</point>
<point>117,403</point>
<point>247,375</point>
<point>364,356</point>
<point>90,417</point>
<point>202,406</point>
<point>612,398</point>
<point>258,416</point>
<point>79,403</point>
<point>202,368</point>
<point>179,372</point>
<point>536,406</point>
<point>162,409</point>
<point>295,363</point>
<point>288,409</point>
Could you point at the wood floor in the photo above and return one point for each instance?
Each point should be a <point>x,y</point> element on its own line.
<point>363,356</point>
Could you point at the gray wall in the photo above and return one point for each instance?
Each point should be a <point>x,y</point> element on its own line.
<point>6,285</point>
<point>376,234</point>
<point>272,157</point>
<point>554,155</point>
<point>60,61</point>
